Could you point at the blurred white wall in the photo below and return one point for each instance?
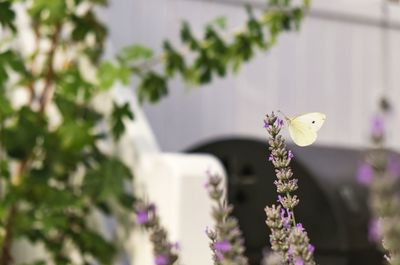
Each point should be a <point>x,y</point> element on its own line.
<point>332,66</point>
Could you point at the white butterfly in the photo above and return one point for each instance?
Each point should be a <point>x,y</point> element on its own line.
<point>303,128</point>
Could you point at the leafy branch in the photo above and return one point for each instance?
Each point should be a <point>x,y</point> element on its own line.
<point>55,135</point>
<point>216,53</point>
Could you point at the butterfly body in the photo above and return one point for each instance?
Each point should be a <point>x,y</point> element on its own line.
<point>303,128</point>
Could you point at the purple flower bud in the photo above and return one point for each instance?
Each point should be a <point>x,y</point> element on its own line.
<point>374,231</point>
<point>161,260</point>
<point>290,154</point>
<point>280,199</point>
<point>310,248</point>
<point>271,157</point>
<point>279,123</point>
<point>299,261</point>
<point>299,226</point>
<point>365,174</point>
<point>377,126</point>
<point>222,246</point>
<point>285,219</point>
<point>290,251</point>
<point>219,255</point>
<point>266,125</point>
<point>142,217</point>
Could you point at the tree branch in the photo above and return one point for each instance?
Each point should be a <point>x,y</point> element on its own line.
<point>49,77</point>
<point>6,258</point>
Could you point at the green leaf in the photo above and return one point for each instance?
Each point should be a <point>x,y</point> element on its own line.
<point>4,170</point>
<point>106,181</point>
<point>71,85</point>
<point>119,114</point>
<point>135,52</point>
<point>219,21</point>
<point>188,38</point>
<point>73,111</point>
<point>20,139</point>
<point>48,11</point>
<point>9,60</point>
<point>109,73</point>
<point>88,24</point>
<point>106,75</point>
<point>5,107</point>
<point>92,243</point>
<point>152,88</point>
<point>174,61</point>
<point>7,15</point>
<point>75,135</point>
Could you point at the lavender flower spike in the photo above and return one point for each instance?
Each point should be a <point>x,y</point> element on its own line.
<point>226,237</point>
<point>165,252</point>
<point>288,239</point>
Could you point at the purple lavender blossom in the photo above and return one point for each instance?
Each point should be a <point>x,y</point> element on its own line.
<point>142,217</point>
<point>365,174</point>
<point>299,261</point>
<point>374,231</point>
<point>219,255</point>
<point>222,246</point>
<point>310,248</point>
<point>290,154</point>
<point>377,126</point>
<point>279,123</point>
<point>290,251</point>
<point>280,199</point>
<point>299,226</point>
<point>271,157</point>
<point>266,125</point>
<point>161,260</point>
<point>285,218</point>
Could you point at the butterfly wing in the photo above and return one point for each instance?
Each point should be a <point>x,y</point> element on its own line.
<point>301,134</point>
<point>303,129</point>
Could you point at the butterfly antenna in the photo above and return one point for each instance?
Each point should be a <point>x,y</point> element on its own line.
<point>286,117</point>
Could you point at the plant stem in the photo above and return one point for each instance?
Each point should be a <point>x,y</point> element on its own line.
<point>44,99</point>
<point>6,257</point>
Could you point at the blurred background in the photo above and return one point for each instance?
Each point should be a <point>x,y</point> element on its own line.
<point>342,62</point>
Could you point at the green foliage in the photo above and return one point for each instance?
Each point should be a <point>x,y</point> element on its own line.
<point>21,137</point>
<point>217,51</point>
<point>7,15</point>
<point>108,74</point>
<point>135,52</point>
<point>119,113</point>
<point>152,88</point>
<point>53,173</point>
<point>48,12</point>
<point>107,180</point>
